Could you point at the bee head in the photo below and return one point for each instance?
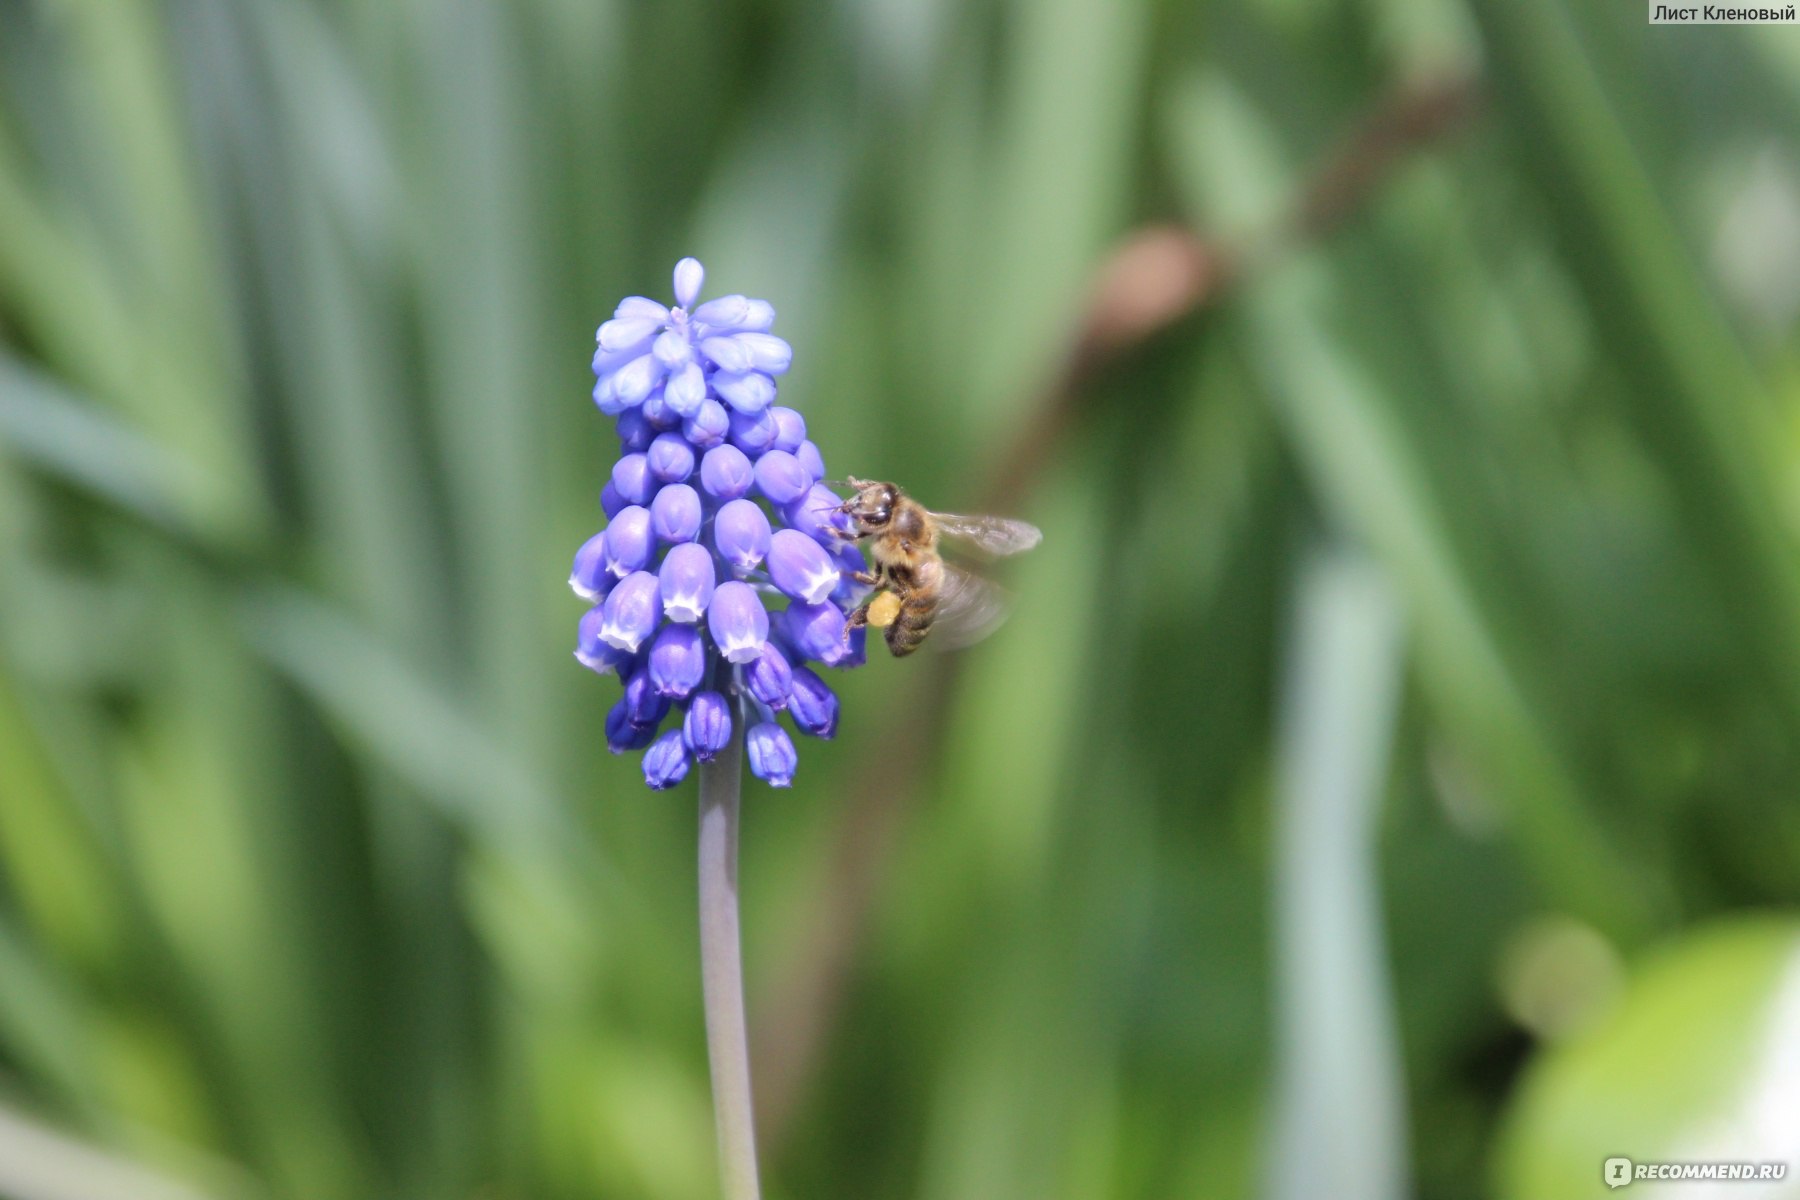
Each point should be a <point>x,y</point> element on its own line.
<point>872,507</point>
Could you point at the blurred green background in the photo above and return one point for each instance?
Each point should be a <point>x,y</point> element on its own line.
<point>1386,785</point>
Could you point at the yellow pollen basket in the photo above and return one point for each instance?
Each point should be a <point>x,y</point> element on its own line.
<point>883,609</point>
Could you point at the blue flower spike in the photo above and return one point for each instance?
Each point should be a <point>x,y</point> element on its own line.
<point>716,579</point>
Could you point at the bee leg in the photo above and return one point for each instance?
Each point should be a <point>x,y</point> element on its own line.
<point>866,577</point>
<point>858,618</point>
<point>842,535</point>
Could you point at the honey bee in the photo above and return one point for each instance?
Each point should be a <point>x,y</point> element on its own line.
<point>916,590</point>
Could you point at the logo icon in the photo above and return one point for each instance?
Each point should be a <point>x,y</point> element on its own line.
<point>1616,1172</point>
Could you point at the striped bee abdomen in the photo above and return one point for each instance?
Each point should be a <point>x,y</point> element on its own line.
<point>912,623</point>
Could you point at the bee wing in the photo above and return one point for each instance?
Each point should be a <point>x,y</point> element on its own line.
<point>969,608</point>
<point>993,535</point>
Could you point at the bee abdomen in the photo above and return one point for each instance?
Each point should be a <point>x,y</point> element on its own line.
<point>911,624</point>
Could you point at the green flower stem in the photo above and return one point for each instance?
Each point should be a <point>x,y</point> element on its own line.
<point>722,970</point>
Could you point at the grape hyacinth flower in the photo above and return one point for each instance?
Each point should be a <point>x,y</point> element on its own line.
<point>715,582</point>
<point>715,508</point>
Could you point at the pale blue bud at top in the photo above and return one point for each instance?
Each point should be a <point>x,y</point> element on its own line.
<point>622,334</point>
<point>630,612</point>
<point>675,513</point>
<point>595,654</point>
<point>686,390</point>
<point>770,677</point>
<point>812,460</point>
<point>816,515</point>
<point>726,473</point>
<point>631,476</point>
<point>589,577</point>
<point>677,661</point>
<point>610,500</point>
<point>790,428</point>
<point>771,753</point>
<point>629,541</point>
<point>633,381</point>
<point>666,761</point>
<point>685,582</point>
<point>813,704</point>
<point>759,316</point>
<point>641,308</point>
<point>622,735</point>
<point>799,566</point>
<point>750,392</point>
<point>726,311</point>
<point>753,432</point>
<point>707,728</point>
<point>690,276</point>
<point>730,354</point>
<point>708,427</point>
<point>670,458</point>
<point>634,431</point>
<point>781,478</point>
<point>767,353</point>
<point>741,534</point>
<point>737,621</point>
<point>643,705</point>
<point>673,351</point>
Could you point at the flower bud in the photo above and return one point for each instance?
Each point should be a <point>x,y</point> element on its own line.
<point>769,354</point>
<point>707,729</point>
<point>726,311</point>
<point>666,761</point>
<point>752,432</point>
<point>816,631</point>
<point>772,755</point>
<point>642,308</point>
<point>816,514</point>
<point>799,566</point>
<point>670,458</point>
<point>759,315</point>
<point>811,460</point>
<point>781,478</point>
<point>770,678</point>
<point>689,276</point>
<point>813,705</point>
<point>595,654</point>
<point>631,476</point>
<point>685,582</point>
<point>672,350</point>
<point>622,735</point>
<point>657,412</point>
<point>629,541</point>
<point>643,706</point>
<point>727,353</point>
<point>707,427</point>
<point>790,428</point>
<point>677,661</point>
<point>738,622</point>
<point>686,390</point>
<point>629,614</point>
<point>675,513</point>
<point>588,576</point>
<point>741,534</point>
<point>750,392</point>
<point>633,381</point>
<point>726,473</point>
<point>610,500</point>
<point>626,333</point>
<point>634,431</point>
